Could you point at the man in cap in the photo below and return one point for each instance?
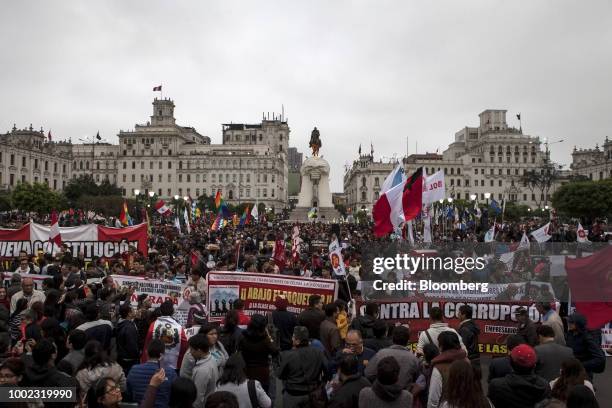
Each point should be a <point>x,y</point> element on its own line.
<point>302,369</point>
<point>522,388</point>
<point>526,327</point>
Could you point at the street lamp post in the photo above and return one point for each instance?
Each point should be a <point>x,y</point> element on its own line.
<point>487,196</point>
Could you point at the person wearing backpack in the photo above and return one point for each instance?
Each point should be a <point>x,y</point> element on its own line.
<point>365,323</point>
<point>436,327</point>
<point>249,393</point>
<point>584,346</point>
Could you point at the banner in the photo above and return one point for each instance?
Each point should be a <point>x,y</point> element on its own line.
<point>434,188</point>
<point>258,291</point>
<point>495,320</point>
<point>90,239</point>
<point>335,258</point>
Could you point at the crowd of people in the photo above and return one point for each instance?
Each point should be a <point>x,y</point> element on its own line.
<point>80,329</point>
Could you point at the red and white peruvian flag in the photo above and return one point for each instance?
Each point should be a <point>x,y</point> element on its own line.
<point>54,230</point>
<point>162,208</point>
<point>581,234</point>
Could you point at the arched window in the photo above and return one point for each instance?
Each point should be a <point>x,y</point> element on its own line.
<point>363,182</point>
<point>230,194</point>
<point>363,196</point>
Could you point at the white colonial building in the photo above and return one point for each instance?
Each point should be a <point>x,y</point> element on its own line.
<point>484,161</point>
<point>26,155</point>
<point>171,160</point>
<point>593,164</point>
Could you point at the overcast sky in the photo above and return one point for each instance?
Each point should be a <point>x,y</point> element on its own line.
<point>361,71</point>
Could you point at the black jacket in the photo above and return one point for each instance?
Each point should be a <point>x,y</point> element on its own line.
<point>586,349</point>
<point>284,321</point>
<point>347,395</point>
<point>311,318</point>
<point>499,368</point>
<point>302,369</point>
<point>469,334</point>
<point>528,332</point>
<point>365,324</point>
<point>37,376</point>
<point>127,341</point>
<point>515,390</point>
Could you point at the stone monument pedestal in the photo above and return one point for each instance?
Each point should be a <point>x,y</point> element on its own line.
<point>315,192</point>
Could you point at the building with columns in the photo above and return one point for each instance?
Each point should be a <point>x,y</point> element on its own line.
<point>488,160</point>
<point>26,155</point>
<point>172,160</point>
<point>593,164</point>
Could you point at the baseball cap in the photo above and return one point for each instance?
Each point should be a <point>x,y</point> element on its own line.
<point>523,355</point>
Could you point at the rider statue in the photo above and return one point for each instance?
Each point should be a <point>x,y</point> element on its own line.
<point>315,142</point>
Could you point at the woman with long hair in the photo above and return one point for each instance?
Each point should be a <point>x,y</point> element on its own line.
<point>15,320</point>
<point>581,396</point>
<point>257,347</point>
<point>463,389</point>
<point>230,333</point>
<point>51,329</point>
<point>572,374</point>
<point>97,365</point>
<point>217,350</point>
<point>104,393</point>
<point>235,381</point>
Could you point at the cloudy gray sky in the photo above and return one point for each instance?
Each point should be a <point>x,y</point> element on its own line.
<point>360,71</point>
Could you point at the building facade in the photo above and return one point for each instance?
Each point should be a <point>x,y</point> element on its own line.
<point>26,155</point>
<point>593,164</point>
<point>176,161</point>
<point>484,161</point>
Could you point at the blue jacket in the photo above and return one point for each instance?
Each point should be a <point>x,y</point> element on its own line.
<point>138,381</point>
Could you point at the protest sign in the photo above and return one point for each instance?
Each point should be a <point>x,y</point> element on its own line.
<point>259,291</point>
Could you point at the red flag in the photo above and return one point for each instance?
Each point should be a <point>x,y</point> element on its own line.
<point>590,282</point>
<point>54,232</point>
<point>49,135</point>
<point>279,254</point>
<point>161,208</point>
<point>157,88</point>
<point>399,204</point>
<point>412,198</point>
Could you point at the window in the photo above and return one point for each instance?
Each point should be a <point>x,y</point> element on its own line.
<point>180,191</point>
<point>500,183</point>
<point>180,178</point>
<point>180,164</point>
<point>124,177</point>
<point>363,196</point>
<point>86,165</point>
<point>169,164</point>
<point>459,182</point>
<point>499,171</point>
<point>133,165</point>
<point>23,161</point>
<point>491,183</point>
<point>363,182</point>
<point>12,163</point>
<point>169,192</point>
<point>197,178</point>
<point>524,197</point>
<point>159,180</point>
<point>248,192</point>
<point>124,165</point>
<point>265,192</point>
<point>467,182</point>
<point>133,178</point>
<point>150,165</point>
<point>169,177</point>
<point>63,168</point>
<point>160,166</point>
<point>97,165</point>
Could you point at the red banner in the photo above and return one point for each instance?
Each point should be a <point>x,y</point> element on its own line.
<point>496,320</point>
<point>259,290</point>
<point>89,239</point>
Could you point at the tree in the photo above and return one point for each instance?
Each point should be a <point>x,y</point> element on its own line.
<point>5,202</point>
<point>85,185</point>
<point>37,197</point>
<point>515,211</point>
<point>107,205</point>
<point>539,182</point>
<point>341,208</point>
<point>584,199</point>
